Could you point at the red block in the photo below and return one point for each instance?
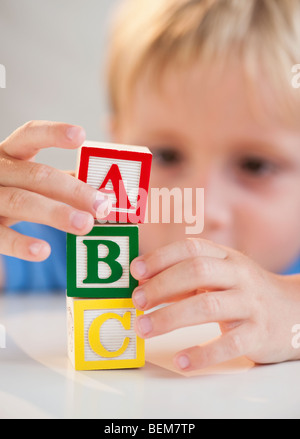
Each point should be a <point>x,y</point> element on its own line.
<point>121,171</point>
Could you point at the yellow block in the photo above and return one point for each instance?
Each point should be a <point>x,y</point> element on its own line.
<point>101,334</point>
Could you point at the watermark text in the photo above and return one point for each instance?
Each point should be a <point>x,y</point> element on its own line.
<point>296,338</point>
<point>164,206</point>
<point>296,76</point>
<point>2,337</point>
<point>2,76</point>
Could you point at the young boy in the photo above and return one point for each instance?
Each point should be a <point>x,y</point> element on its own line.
<point>207,86</point>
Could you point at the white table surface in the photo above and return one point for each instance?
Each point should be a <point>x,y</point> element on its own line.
<point>38,381</point>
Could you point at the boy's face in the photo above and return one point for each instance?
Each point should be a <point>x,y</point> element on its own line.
<point>203,134</point>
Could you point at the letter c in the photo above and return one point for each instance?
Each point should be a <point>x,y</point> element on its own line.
<point>94,334</point>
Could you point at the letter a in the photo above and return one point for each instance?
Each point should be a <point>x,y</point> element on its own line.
<point>114,175</point>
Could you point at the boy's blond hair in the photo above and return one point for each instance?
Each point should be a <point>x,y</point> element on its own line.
<point>263,34</point>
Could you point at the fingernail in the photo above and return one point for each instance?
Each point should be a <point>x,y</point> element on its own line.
<point>35,249</point>
<point>80,220</point>
<point>183,362</point>
<point>139,299</point>
<point>76,134</point>
<point>40,249</point>
<point>102,206</point>
<point>144,325</point>
<point>139,267</point>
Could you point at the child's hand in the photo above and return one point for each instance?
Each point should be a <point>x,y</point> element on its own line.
<point>203,283</point>
<point>38,193</point>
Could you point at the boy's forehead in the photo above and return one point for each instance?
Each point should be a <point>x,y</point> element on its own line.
<point>205,101</point>
<point>207,91</point>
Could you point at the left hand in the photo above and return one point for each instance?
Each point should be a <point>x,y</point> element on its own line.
<point>203,282</point>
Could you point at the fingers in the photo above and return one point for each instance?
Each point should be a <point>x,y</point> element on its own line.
<point>16,172</point>
<point>163,258</point>
<point>53,184</point>
<point>41,194</point>
<point>28,206</point>
<point>29,139</point>
<point>233,344</point>
<point>224,306</point>
<point>14,244</point>
<point>200,273</point>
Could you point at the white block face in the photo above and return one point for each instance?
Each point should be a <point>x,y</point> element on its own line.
<point>104,270</point>
<point>130,171</point>
<point>111,335</point>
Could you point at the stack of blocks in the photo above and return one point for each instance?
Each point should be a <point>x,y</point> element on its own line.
<point>100,311</point>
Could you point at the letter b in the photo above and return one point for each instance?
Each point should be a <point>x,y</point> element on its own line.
<point>98,264</point>
<point>111,260</point>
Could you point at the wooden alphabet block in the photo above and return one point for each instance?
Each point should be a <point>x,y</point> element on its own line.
<point>121,171</point>
<point>101,334</point>
<point>98,264</point>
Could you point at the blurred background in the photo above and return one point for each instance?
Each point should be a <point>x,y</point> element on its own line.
<point>54,55</point>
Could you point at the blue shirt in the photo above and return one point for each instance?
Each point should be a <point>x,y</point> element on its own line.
<point>294,268</point>
<point>50,275</point>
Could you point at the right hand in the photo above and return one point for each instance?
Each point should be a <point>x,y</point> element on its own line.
<point>38,193</point>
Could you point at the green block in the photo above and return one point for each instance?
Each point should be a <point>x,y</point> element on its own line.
<point>98,264</point>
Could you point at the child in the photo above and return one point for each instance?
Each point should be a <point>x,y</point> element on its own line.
<point>206,85</point>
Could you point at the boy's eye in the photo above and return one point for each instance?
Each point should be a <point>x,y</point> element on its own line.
<point>256,166</point>
<point>167,156</point>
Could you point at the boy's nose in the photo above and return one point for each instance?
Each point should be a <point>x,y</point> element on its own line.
<point>217,209</point>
